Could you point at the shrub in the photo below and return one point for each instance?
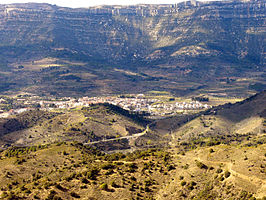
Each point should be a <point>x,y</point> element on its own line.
<point>109,172</point>
<point>84,180</point>
<point>113,184</point>
<point>104,186</point>
<point>132,167</point>
<point>108,166</point>
<point>113,157</point>
<point>193,183</point>
<point>190,187</point>
<point>147,189</point>
<point>132,187</point>
<point>183,183</point>
<point>243,194</point>
<point>51,195</point>
<point>74,194</point>
<point>12,196</point>
<point>57,198</point>
<point>186,166</point>
<point>93,174</point>
<point>19,161</point>
<point>227,174</point>
<point>47,184</point>
<point>201,165</point>
<point>170,167</point>
<point>83,187</point>
<point>219,170</point>
<point>59,187</point>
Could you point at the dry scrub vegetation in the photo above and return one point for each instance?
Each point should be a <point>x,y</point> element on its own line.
<point>73,171</point>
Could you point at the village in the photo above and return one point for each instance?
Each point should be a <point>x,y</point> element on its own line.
<point>135,103</point>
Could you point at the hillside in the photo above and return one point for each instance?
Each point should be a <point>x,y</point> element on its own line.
<point>85,125</point>
<point>241,119</point>
<point>244,117</point>
<point>72,171</point>
<point>105,152</point>
<point>184,48</point>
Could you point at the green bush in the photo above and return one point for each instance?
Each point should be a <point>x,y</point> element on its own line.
<point>227,174</point>
<point>84,180</point>
<point>190,187</point>
<point>109,172</point>
<point>74,194</point>
<point>170,167</point>
<point>104,186</point>
<point>193,183</point>
<point>132,167</point>
<point>19,161</point>
<point>183,183</point>
<point>51,195</point>
<point>92,174</point>
<point>113,184</point>
<point>149,182</point>
<point>186,166</point>
<point>201,165</point>
<point>108,166</point>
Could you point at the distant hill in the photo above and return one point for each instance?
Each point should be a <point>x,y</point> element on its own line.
<point>253,106</point>
<point>85,125</point>
<point>182,48</point>
<point>243,117</point>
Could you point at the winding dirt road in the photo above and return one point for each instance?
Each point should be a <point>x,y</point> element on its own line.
<point>124,137</point>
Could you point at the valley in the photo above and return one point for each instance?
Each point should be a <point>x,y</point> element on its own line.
<point>137,102</point>
<point>103,151</point>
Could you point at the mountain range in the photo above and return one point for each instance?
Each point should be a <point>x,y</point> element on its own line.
<point>190,47</point>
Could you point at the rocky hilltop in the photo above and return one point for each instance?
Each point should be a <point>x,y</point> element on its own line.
<point>199,41</point>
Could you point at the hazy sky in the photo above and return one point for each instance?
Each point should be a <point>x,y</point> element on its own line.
<point>87,3</point>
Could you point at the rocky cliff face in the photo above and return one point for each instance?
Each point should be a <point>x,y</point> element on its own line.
<point>203,36</point>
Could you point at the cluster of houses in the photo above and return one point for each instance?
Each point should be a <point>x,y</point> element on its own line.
<point>172,108</point>
<point>136,103</point>
<point>192,105</point>
<point>13,112</point>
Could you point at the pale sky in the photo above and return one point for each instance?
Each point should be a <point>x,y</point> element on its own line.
<point>88,3</point>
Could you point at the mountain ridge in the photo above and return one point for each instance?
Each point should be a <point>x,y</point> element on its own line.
<point>186,42</point>
<point>229,115</point>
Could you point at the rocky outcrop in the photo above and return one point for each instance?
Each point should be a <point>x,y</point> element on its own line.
<point>209,37</point>
<point>123,32</point>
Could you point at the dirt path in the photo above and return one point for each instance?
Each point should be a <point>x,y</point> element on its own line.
<point>124,137</point>
<point>261,183</point>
